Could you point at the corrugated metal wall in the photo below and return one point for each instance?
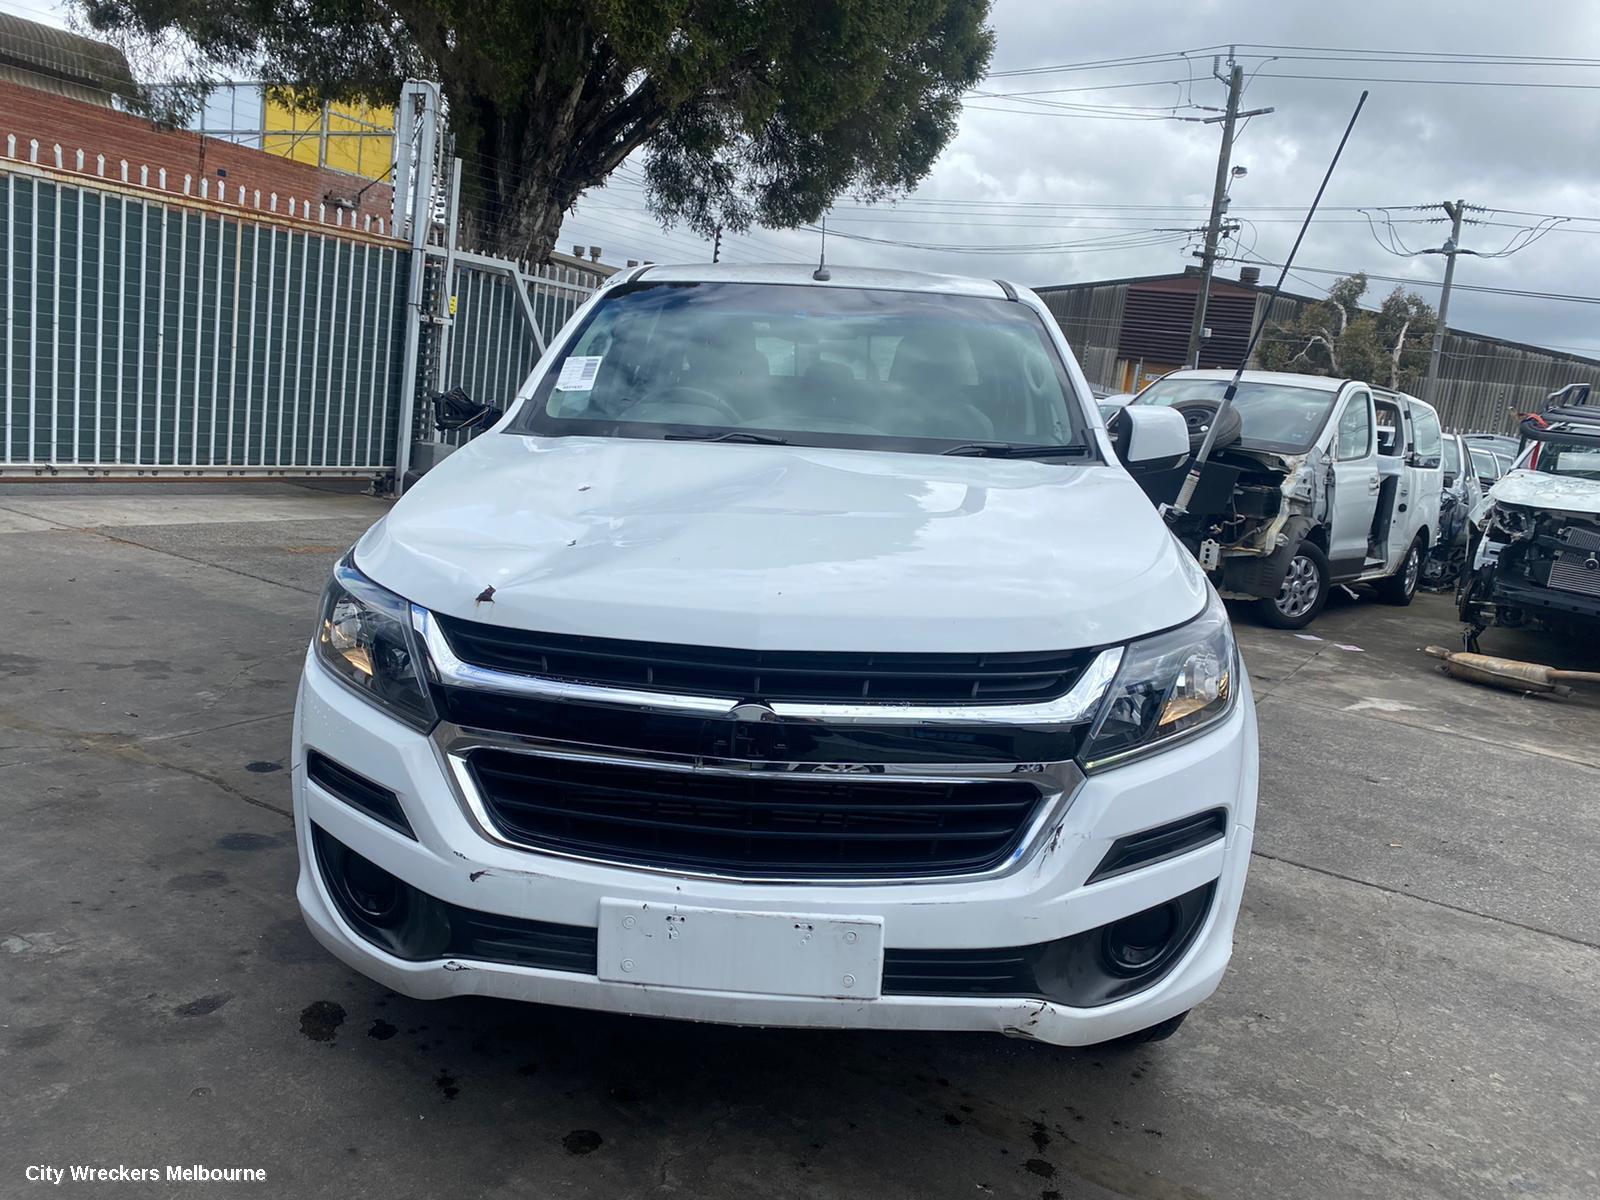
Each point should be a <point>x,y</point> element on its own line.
<point>1481,380</point>
<point>151,333</point>
<point>1091,320</point>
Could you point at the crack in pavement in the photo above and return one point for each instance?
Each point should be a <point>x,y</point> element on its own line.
<point>124,746</point>
<point>1443,730</point>
<point>127,541</point>
<point>1571,939</point>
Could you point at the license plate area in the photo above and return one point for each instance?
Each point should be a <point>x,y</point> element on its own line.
<point>721,950</point>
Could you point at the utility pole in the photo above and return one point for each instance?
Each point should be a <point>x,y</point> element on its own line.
<point>1450,249</point>
<point>1219,203</point>
<point>716,246</point>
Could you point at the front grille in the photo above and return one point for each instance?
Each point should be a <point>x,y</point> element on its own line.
<point>771,675</point>
<point>1004,972</point>
<point>1572,570</point>
<point>754,824</point>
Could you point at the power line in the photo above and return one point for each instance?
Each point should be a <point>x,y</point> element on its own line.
<point>1429,283</point>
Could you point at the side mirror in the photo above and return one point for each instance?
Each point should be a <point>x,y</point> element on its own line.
<point>1149,437</point>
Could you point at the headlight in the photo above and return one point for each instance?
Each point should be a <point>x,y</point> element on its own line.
<point>1168,686</point>
<point>365,638</point>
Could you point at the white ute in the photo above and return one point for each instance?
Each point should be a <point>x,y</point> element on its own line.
<point>795,651</point>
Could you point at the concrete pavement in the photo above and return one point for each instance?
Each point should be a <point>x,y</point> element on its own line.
<point>1411,1011</point>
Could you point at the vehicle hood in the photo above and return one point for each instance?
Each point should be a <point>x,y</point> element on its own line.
<point>1536,489</point>
<point>784,548</point>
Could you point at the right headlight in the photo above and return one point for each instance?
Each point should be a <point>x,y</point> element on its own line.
<point>365,638</point>
<point>1168,687</point>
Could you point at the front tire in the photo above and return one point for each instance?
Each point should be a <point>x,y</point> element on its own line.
<point>1302,594</point>
<point>1401,587</point>
<point>1158,1032</point>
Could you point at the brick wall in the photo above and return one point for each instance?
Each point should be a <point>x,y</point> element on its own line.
<point>28,114</point>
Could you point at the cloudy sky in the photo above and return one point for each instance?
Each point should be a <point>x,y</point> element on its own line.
<point>1024,172</point>
<point>1083,173</point>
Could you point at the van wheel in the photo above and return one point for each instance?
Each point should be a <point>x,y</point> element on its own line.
<point>1400,587</point>
<point>1303,592</point>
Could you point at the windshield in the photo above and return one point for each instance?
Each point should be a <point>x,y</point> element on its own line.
<point>1568,458</point>
<point>1275,416</point>
<point>808,366</point>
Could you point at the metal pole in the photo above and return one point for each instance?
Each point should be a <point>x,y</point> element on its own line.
<point>1192,479</point>
<point>421,212</point>
<point>452,219</point>
<point>1451,249</point>
<point>1208,258</point>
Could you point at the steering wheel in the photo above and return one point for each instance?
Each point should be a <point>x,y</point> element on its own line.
<point>685,394</point>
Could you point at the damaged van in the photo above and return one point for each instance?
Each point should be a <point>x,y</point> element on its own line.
<point>1536,551</point>
<point>1311,482</point>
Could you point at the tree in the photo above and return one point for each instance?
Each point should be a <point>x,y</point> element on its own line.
<point>749,111</point>
<point>1336,336</point>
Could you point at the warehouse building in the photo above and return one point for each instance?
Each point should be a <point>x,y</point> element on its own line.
<point>1127,332</point>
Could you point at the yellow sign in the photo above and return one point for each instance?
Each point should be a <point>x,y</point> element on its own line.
<point>353,137</point>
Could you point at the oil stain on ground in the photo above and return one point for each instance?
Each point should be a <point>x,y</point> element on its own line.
<point>321,1019</point>
<point>582,1141</point>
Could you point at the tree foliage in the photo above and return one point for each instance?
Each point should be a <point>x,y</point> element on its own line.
<point>749,111</point>
<point>1336,336</point>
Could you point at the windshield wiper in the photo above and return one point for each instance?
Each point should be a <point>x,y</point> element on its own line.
<point>732,435</point>
<point>1015,450</point>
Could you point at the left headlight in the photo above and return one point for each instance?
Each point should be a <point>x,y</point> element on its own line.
<point>365,638</point>
<point>1168,686</point>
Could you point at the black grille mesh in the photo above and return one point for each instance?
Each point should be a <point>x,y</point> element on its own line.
<point>755,824</point>
<point>772,675</point>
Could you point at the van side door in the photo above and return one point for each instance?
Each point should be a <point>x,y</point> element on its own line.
<point>1425,466</point>
<point>1355,483</point>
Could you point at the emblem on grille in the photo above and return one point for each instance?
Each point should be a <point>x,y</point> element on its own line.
<point>752,711</point>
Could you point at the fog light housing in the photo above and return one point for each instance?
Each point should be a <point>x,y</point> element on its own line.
<point>1124,956</point>
<point>376,894</point>
<point>1132,944</point>
<point>383,909</point>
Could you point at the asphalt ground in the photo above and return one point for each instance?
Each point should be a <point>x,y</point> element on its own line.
<point>1412,1009</point>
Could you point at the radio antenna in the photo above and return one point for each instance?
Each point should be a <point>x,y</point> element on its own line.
<point>1192,480</point>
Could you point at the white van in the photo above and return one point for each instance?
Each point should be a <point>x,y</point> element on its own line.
<point>795,651</point>
<point>1314,482</point>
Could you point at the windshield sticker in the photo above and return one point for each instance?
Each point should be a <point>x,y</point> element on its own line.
<point>577,373</point>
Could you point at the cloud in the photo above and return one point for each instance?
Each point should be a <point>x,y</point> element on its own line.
<point>1008,177</point>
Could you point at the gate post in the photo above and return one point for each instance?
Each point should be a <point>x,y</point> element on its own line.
<point>427,140</point>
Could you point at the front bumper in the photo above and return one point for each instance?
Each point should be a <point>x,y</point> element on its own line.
<point>1044,899</point>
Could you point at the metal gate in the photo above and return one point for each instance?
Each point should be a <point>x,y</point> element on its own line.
<point>495,335</point>
<point>157,334</point>
<point>156,331</point>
